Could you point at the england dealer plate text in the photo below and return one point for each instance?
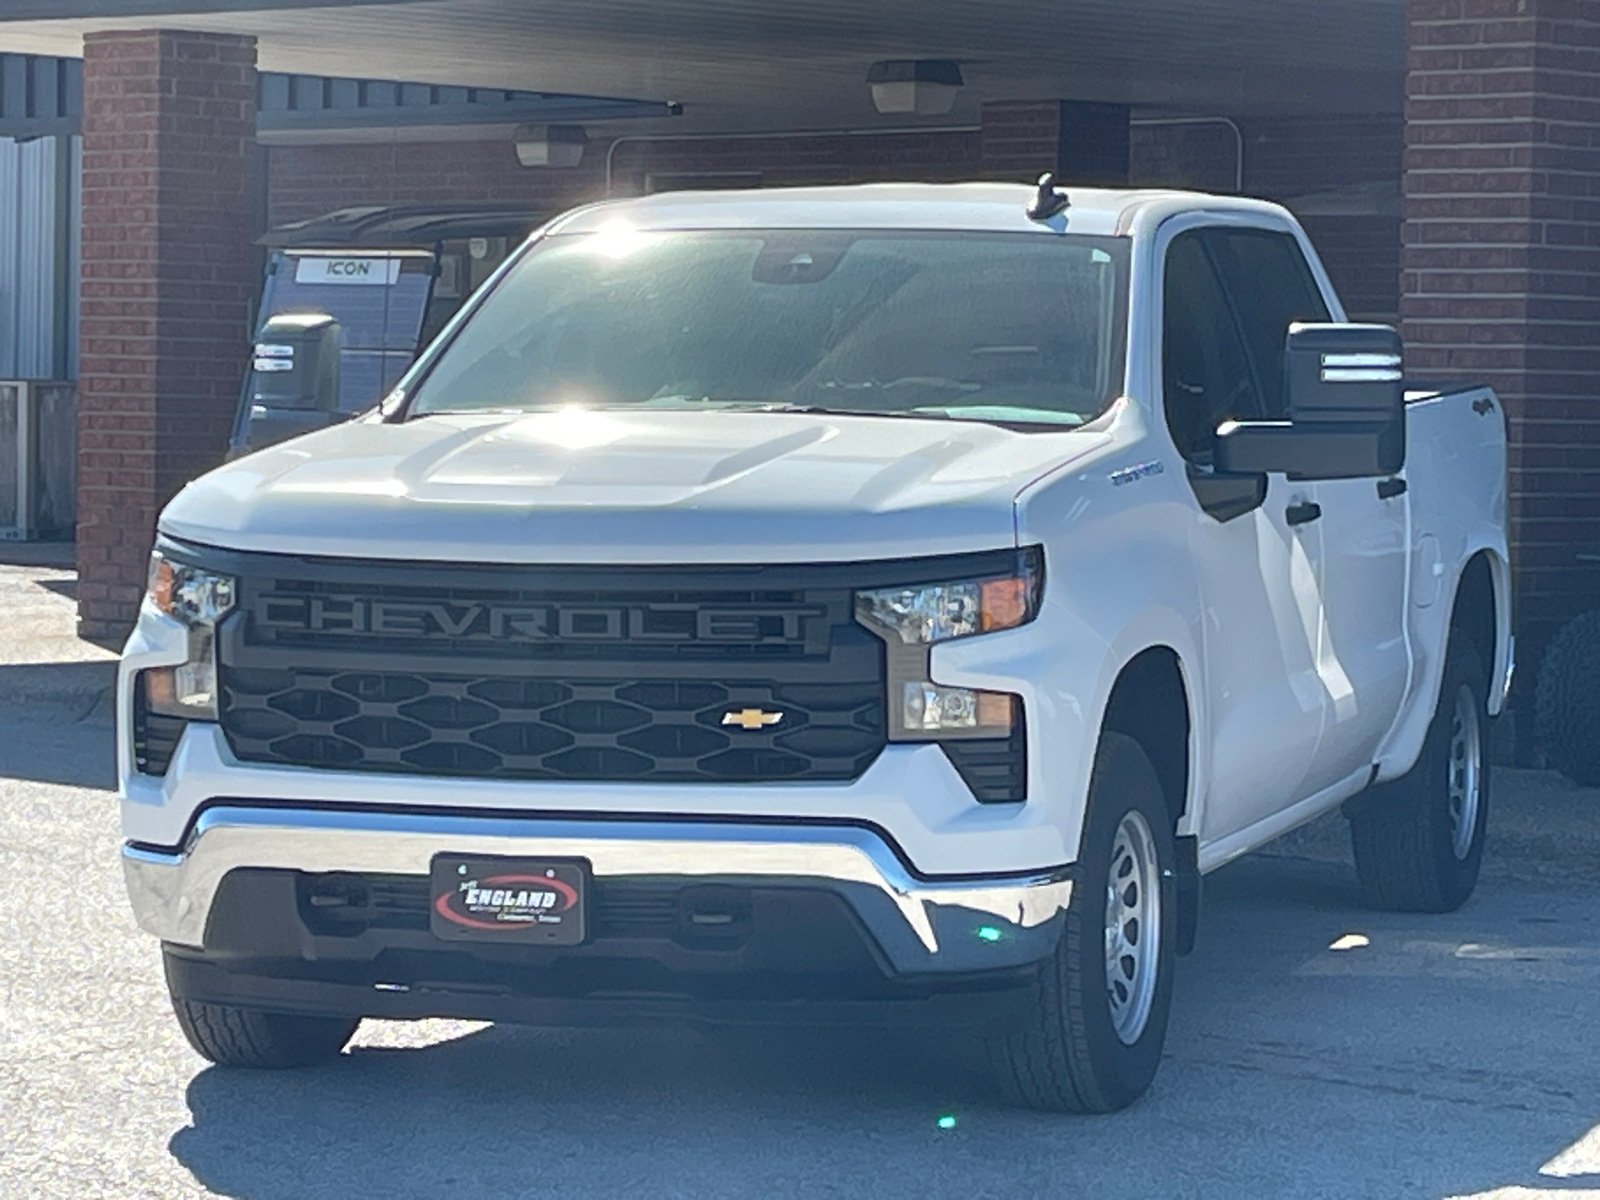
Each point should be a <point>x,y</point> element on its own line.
<point>531,902</point>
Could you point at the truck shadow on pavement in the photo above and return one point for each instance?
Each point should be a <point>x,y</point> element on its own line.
<point>1401,1068</point>
<point>54,740</point>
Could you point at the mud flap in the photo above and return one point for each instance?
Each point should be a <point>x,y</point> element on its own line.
<point>1187,887</point>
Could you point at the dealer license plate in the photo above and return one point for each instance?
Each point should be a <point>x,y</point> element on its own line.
<point>534,902</point>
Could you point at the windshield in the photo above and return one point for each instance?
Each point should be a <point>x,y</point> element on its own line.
<point>1003,327</point>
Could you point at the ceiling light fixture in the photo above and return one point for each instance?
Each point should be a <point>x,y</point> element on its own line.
<point>920,86</point>
<point>550,145</point>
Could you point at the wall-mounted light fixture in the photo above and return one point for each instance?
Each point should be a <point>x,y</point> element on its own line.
<point>921,86</point>
<point>550,145</point>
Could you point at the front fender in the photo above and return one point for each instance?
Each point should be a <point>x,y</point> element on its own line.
<point>1118,580</point>
<point>1065,671</point>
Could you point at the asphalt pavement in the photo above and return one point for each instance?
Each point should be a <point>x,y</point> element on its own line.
<point>1426,1056</point>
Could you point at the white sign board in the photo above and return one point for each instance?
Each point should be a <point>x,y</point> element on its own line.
<point>373,271</point>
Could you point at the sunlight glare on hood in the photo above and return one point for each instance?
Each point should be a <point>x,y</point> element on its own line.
<point>570,428</point>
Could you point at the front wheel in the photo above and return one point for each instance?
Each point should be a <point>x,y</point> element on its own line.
<point>1092,1040</point>
<point>1418,841</point>
<point>232,1036</point>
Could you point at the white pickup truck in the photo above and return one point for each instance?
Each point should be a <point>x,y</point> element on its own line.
<point>838,601</point>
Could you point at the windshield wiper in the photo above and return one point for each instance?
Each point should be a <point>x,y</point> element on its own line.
<point>473,412</point>
<point>720,403</point>
<point>1002,415</point>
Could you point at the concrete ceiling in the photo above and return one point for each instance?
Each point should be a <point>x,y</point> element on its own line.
<point>771,64</point>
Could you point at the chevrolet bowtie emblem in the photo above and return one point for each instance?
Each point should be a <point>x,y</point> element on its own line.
<point>751,718</point>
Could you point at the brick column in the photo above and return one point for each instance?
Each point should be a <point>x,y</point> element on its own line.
<point>1501,261</point>
<point>168,272</point>
<point>1083,142</point>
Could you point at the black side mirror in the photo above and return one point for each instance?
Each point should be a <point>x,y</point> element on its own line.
<point>294,378</point>
<point>1346,400</point>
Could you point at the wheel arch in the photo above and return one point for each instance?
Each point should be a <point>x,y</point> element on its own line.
<point>1478,612</point>
<point>1150,701</point>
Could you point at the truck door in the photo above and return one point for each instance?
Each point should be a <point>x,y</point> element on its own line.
<point>1363,656</point>
<point>1257,572</point>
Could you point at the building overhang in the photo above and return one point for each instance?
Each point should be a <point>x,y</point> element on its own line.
<point>761,67</point>
<point>42,96</point>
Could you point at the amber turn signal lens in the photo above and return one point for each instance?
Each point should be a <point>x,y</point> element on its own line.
<point>160,687</point>
<point>160,583</point>
<point>996,710</point>
<point>1004,603</point>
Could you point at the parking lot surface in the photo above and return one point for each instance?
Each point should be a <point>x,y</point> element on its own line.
<point>1447,1056</point>
<point>1430,1056</point>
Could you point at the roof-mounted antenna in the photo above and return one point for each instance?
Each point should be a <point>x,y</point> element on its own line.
<point>1048,200</point>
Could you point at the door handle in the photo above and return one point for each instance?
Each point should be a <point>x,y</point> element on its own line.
<point>1300,514</point>
<point>1388,489</point>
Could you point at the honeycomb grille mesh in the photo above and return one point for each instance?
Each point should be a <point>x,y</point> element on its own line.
<point>466,725</point>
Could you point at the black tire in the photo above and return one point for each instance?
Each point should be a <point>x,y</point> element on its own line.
<point>1068,1055</point>
<point>1567,700</point>
<point>231,1036</point>
<point>1403,833</point>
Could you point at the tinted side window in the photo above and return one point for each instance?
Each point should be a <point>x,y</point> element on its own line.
<point>1206,377</point>
<point>1271,285</point>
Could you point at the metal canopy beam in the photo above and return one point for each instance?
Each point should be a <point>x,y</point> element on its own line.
<point>34,10</point>
<point>42,96</point>
<point>313,108</point>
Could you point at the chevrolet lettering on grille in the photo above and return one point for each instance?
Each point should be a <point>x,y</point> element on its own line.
<point>538,622</point>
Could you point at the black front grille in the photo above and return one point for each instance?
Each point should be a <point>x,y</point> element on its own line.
<point>498,726</point>
<point>724,675</point>
<point>995,770</point>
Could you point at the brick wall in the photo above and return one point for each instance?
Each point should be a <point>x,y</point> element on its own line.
<point>1081,142</point>
<point>1183,154</point>
<point>168,128</point>
<point>1502,261</point>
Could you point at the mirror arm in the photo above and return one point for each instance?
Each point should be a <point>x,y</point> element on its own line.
<point>1227,495</point>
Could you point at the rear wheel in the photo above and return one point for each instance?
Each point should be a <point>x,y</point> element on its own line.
<point>1093,1038</point>
<point>231,1036</point>
<point>1418,841</point>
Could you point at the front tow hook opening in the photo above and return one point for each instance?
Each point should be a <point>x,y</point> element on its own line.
<point>714,916</point>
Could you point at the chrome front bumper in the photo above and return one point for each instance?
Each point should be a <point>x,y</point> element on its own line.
<point>922,926</point>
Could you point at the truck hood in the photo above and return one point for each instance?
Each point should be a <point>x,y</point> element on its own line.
<point>635,487</point>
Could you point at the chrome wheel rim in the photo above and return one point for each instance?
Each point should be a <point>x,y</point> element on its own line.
<point>1465,772</point>
<point>1133,927</point>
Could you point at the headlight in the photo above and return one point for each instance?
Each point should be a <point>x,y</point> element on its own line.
<point>938,612</point>
<point>912,619</point>
<point>192,595</point>
<point>199,598</point>
<point>929,708</point>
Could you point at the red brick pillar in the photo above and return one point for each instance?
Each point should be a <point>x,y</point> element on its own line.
<point>168,272</point>
<point>1083,142</point>
<point>1501,260</point>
